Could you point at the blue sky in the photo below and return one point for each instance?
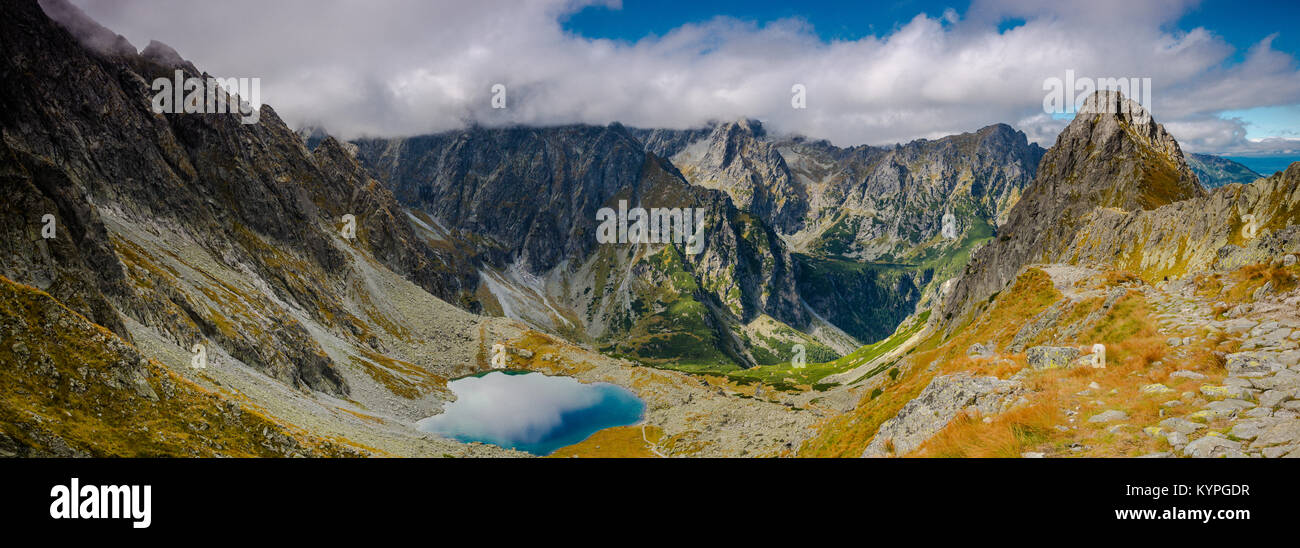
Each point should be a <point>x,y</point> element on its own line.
<point>1239,22</point>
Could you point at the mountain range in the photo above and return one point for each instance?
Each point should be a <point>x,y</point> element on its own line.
<point>333,288</point>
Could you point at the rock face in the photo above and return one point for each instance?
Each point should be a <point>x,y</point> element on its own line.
<point>1200,234</point>
<point>1113,157</point>
<point>546,265</point>
<point>738,159</point>
<point>82,145</point>
<point>864,222</point>
<point>873,203</point>
<point>936,406</point>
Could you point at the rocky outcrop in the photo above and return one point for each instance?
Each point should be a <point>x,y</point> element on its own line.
<point>1051,357</point>
<point>937,405</point>
<point>1230,227</point>
<point>738,159</point>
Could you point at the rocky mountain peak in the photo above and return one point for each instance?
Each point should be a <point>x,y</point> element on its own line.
<point>1112,155</point>
<point>746,126</point>
<point>92,35</point>
<point>165,56</point>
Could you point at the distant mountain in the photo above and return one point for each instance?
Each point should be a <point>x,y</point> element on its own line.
<point>1216,171</point>
<point>526,201</point>
<point>864,222</point>
<point>799,232</point>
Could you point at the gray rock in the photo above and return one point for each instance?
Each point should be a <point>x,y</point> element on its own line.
<point>1051,357</point>
<point>1250,429</point>
<point>1274,398</point>
<point>1223,409</point>
<point>1284,379</point>
<point>1109,416</point>
<point>1212,391</point>
<point>1187,375</point>
<point>1180,425</point>
<point>1210,447</point>
<point>936,406</point>
<point>1285,432</point>
<point>1259,412</point>
<point>978,350</point>
<point>1251,363</point>
<point>1279,451</point>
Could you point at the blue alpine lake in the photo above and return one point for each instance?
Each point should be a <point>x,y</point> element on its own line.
<point>532,412</point>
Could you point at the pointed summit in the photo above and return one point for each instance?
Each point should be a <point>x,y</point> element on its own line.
<point>1112,155</point>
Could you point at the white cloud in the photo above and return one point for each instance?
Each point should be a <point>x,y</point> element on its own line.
<point>411,66</point>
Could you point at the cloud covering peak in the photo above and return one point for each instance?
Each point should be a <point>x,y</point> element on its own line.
<point>413,67</point>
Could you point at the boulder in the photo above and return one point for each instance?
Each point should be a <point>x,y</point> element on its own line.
<point>1109,416</point>
<point>935,407</point>
<point>1212,447</point>
<point>1051,357</point>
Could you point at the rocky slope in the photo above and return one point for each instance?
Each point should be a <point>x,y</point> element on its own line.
<point>75,389</point>
<point>184,231</point>
<point>1215,171</point>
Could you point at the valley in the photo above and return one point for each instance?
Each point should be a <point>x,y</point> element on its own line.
<point>1098,298</point>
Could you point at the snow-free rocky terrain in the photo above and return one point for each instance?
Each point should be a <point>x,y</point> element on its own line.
<point>174,232</point>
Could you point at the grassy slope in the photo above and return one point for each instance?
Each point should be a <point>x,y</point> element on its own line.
<point>785,377</point>
<point>1137,356</point>
<point>847,435</point>
<point>68,383</point>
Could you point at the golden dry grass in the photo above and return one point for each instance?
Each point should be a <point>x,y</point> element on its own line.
<point>616,442</point>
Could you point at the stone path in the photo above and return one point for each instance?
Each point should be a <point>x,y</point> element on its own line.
<point>1255,412</point>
